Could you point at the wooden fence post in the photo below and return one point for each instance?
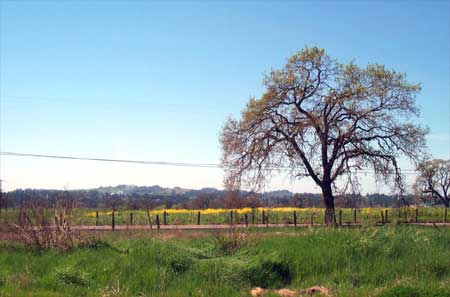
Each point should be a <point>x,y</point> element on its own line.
<point>113,222</point>
<point>417,215</point>
<point>354,216</point>
<point>295,218</point>
<point>198,218</point>
<point>382,218</point>
<point>445,215</point>
<point>263,217</point>
<point>157,221</point>
<point>312,219</point>
<point>96,218</point>
<point>386,216</point>
<point>165,218</point>
<point>246,219</point>
<point>131,218</point>
<point>340,217</point>
<point>149,218</point>
<point>231,217</point>
<point>253,216</point>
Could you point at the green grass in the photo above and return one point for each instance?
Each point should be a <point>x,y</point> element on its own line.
<point>384,261</point>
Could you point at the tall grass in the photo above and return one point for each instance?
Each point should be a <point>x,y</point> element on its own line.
<point>383,261</point>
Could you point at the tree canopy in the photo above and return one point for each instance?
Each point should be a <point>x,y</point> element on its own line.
<point>325,120</point>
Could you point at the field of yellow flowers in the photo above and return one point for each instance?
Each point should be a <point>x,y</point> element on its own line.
<point>277,215</point>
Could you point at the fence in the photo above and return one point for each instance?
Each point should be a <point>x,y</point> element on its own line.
<point>248,216</point>
<point>260,216</point>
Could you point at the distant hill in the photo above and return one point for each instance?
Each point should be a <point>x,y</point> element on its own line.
<point>142,190</point>
<point>279,193</point>
<point>158,190</point>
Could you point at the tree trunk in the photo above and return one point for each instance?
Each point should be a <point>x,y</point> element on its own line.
<point>328,200</point>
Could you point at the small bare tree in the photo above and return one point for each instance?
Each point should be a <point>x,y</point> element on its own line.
<point>47,228</point>
<point>433,181</point>
<point>325,120</point>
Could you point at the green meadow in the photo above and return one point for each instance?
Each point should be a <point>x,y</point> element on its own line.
<point>370,261</point>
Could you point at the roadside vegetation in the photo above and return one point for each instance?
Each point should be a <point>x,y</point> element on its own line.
<point>374,261</point>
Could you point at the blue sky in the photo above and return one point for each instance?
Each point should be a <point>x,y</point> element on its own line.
<point>156,81</point>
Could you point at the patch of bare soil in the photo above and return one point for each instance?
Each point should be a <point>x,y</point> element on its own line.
<point>322,291</point>
<point>287,293</point>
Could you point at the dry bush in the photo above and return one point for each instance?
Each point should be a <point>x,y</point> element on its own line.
<point>47,228</point>
<point>232,240</point>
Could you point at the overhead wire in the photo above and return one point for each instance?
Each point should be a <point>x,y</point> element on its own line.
<point>146,162</point>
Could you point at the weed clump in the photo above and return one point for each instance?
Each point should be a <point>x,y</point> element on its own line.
<point>229,242</point>
<point>2,280</point>
<point>404,291</point>
<point>70,276</point>
<point>270,274</point>
<point>180,264</point>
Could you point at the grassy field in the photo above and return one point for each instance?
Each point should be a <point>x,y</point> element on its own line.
<point>373,261</point>
<point>284,215</point>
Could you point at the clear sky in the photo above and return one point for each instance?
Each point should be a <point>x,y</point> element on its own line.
<point>156,81</point>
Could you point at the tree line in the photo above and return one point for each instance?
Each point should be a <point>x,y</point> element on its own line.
<point>199,200</point>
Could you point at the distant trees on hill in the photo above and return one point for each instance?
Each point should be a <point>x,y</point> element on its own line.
<point>196,199</point>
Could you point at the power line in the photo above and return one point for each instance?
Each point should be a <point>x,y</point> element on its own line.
<point>204,165</point>
<point>181,164</point>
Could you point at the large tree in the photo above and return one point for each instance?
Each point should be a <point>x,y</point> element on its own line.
<point>325,120</point>
<point>433,180</point>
